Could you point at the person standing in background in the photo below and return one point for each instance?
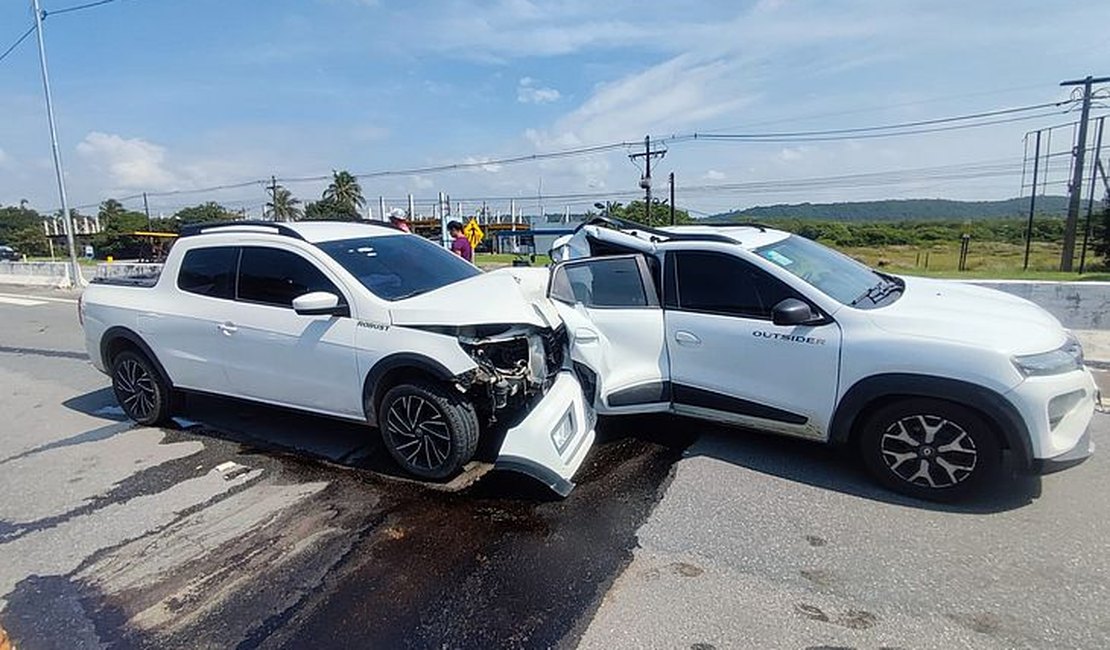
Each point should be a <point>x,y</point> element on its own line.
<point>460,245</point>
<point>400,219</point>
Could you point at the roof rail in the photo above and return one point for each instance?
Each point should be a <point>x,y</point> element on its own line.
<point>655,233</point>
<point>739,224</point>
<point>245,226</point>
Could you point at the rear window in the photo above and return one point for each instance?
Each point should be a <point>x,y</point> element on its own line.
<point>209,271</point>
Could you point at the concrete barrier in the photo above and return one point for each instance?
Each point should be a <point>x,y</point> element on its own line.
<point>1078,305</point>
<point>38,274</point>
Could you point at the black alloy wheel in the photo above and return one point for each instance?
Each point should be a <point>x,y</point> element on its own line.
<point>429,430</point>
<point>139,389</point>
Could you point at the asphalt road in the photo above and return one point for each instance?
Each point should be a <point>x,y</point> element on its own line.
<point>247,527</point>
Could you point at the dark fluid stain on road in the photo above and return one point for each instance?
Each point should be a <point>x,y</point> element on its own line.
<point>372,561</point>
<point>502,565</point>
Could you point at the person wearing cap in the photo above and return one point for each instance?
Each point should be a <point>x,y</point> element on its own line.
<point>460,245</point>
<point>400,219</point>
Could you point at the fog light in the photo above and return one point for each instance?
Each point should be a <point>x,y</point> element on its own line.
<point>1061,405</point>
<point>563,432</point>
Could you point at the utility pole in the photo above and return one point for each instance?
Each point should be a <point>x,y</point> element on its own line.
<point>1091,195</point>
<point>645,181</point>
<point>670,179</point>
<point>76,268</point>
<point>1032,200</point>
<point>146,209</point>
<point>1076,187</point>
<point>273,198</point>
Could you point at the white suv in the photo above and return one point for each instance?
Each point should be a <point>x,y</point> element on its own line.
<point>751,326</point>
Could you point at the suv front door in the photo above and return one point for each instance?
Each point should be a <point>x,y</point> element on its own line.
<point>610,306</point>
<point>730,362</point>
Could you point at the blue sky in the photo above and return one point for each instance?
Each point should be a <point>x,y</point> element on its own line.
<point>158,95</point>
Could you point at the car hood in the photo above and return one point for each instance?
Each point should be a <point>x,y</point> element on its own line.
<point>505,296</point>
<point>945,309</point>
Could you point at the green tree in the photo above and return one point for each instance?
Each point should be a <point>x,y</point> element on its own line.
<point>660,213</point>
<point>208,212</point>
<point>1101,234</point>
<point>30,241</point>
<point>117,224</point>
<point>324,210</point>
<point>16,219</point>
<point>344,195</point>
<point>282,206</point>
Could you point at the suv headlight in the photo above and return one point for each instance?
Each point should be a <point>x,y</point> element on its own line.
<point>1066,358</point>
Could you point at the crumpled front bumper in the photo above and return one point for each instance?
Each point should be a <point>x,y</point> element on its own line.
<point>553,440</point>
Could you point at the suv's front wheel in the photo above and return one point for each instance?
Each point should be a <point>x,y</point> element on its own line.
<point>929,448</point>
<point>431,431</point>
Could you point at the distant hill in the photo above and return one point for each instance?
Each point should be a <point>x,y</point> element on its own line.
<point>899,210</point>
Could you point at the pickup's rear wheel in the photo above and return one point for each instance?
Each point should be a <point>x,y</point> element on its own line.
<point>929,449</point>
<point>429,430</point>
<point>139,388</point>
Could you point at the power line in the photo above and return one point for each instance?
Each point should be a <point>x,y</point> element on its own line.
<point>66,10</point>
<point>17,42</point>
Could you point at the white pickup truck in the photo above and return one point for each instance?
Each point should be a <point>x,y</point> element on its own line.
<point>355,321</point>
<point>745,325</point>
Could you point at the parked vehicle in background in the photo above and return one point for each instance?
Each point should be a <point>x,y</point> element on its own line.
<point>746,325</point>
<point>9,254</point>
<point>355,321</point>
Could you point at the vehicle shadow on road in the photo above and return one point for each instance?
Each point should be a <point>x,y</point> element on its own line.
<point>839,470</point>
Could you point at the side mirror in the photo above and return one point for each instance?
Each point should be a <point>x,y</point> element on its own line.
<point>319,303</point>
<point>792,312</point>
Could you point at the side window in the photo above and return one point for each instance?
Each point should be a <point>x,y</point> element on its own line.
<point>275,277</point>
<point>722,284</point>
<point>612,282</point>
<point>209,271</point>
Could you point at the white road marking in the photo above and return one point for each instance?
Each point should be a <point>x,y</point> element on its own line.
<point>20,302</point>
<point>41,299</point>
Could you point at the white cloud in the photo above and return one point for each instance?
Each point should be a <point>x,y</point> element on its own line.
<point>714,175</point>
<point>130,163</point>
<point>528,92</point>
<point>4,158</point>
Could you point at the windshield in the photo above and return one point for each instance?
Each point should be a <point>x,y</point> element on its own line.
<point>836,275</point>
<point>394,267</point>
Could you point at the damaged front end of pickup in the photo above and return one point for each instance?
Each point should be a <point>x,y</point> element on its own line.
<point>523,381</point>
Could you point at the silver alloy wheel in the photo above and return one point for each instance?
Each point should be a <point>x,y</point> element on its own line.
<point>418,432</point>
<point>929,450</point>
<point>135,388</point>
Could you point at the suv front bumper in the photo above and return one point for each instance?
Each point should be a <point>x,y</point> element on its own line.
<point>1057,411</point>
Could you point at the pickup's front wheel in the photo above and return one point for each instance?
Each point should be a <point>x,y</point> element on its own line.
<point>929,448</point>
<point>429,430</point>
<point>139,388</point>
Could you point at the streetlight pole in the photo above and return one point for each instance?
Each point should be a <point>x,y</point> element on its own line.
<point>76,268</point>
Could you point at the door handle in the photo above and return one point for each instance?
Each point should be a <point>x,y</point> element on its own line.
<point>227,328</point>
<point>682,337</point>
<point>585,335</point>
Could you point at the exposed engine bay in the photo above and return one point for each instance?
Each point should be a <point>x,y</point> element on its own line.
<point>516,363</point>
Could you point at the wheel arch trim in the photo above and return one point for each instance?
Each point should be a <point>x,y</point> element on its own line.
<point>1000,413</point>
<point>372,384</point>
<point>113,334</point>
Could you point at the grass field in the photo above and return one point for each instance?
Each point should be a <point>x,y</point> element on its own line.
<point>994,260</point>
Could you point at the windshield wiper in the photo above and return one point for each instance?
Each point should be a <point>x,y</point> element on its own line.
<point>877,292</point>
<point>414,292</point>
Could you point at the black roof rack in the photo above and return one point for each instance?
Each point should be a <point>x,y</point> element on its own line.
<point>739,224</point>
<point>656,234</point>
<point>199,228</point>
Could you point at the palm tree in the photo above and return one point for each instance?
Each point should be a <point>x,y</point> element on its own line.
<point>282,206</point>
<point>345,194</point>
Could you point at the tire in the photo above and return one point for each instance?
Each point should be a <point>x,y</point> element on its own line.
<point>431,431</point>
<point>929,448</point>
<point>140,390</point>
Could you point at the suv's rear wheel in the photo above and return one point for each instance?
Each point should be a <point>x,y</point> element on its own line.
<point>139,389</point>
<point>429,430</point>
<point>929,448</point>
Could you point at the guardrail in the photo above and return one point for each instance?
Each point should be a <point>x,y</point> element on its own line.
<point>39,274</point>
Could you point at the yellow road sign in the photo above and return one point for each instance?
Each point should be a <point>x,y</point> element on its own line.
<point>473,232</point>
